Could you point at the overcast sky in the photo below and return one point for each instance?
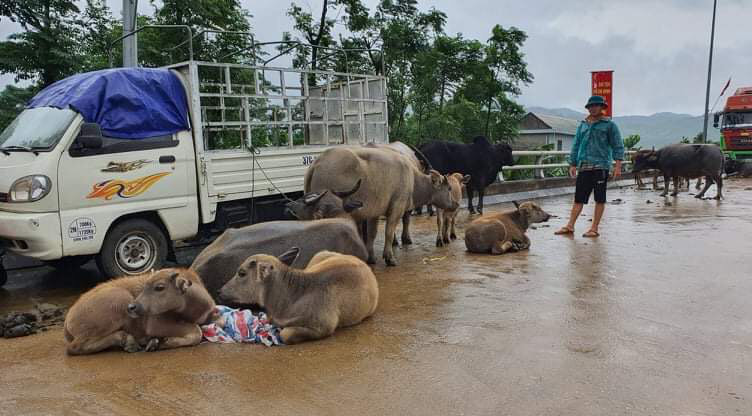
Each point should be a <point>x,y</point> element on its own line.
<point>657,49</point>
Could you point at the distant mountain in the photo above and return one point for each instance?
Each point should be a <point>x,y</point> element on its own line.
<point>656,130</point>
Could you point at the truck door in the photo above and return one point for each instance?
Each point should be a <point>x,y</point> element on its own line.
<point>99,185</point>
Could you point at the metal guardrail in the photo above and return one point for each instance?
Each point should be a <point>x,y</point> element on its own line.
<point>541,155</point>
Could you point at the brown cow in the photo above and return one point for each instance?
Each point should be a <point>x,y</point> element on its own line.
<point>499,233</point>
<point>131,312</point>
<point>333,291</point>
<point>445,218</point>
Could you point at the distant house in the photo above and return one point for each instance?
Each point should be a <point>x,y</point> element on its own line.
<point>537,130</point>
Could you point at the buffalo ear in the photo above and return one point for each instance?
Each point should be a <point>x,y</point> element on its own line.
<point>436,177</point>
<point>352,205</point>
<point>289,256</point>
<point>516,204</point>
<point>182,283</point>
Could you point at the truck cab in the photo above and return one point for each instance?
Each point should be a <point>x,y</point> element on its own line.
<point>736,125</point>
<point>123,165</point>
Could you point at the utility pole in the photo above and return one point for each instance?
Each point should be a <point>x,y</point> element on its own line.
<point>710,70</point>
<point>130,51</point>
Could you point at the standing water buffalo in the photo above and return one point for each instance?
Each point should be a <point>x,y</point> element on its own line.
<point>445,218</point>
<point>334,230</point>
<point>684,160</point>
<point>480,159</point>
<point>131,312</point>
<point>390,185</point>
<point>334,291</point>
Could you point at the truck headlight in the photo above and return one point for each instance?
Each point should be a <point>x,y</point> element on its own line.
<point>30,188</point>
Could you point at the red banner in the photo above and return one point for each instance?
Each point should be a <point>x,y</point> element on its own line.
<point>603,85</point>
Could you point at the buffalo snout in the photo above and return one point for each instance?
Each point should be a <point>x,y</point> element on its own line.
<point>135,310</point>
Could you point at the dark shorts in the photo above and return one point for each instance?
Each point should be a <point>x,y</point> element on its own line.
<point>591,181</point>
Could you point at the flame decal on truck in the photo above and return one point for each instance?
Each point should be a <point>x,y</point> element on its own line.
<point>124,189</point>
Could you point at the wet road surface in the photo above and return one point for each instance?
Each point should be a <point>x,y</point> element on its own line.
<point>653,318</point>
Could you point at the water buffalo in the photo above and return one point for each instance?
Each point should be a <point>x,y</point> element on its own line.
<point>390,185</point>
<point>684,160</point>
<point>333,230</point>
<point>505,231</point>
<point>131,312</point>
<point>479,159</point>
<point>334,291</point>
<point>409,153</point>
<point>445,218</point>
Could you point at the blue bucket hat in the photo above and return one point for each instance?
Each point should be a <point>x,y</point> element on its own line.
<point>596,100</point>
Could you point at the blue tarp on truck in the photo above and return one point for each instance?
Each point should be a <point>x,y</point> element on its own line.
<point>127,103</point>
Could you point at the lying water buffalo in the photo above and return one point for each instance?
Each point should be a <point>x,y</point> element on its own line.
<point>334,291</point>
<point>334,230</point>
<point>131,312</point>
<point>390,185</point>
<point>479,159</point>
<point>684,160</point>
<point>505,231</point>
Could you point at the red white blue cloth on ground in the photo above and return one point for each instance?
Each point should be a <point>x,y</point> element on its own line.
<point>241,325</point>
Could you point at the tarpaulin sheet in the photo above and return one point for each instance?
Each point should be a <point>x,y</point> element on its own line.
<point>127,103</point>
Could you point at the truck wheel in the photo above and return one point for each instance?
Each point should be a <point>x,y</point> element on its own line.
<point>132,247</point>
<point>3,275</point>
<point>69,263</point>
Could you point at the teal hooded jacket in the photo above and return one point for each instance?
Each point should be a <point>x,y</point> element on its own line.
<point>599,144</point>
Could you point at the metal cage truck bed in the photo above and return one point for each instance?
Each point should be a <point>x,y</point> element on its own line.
<point>121,164</point>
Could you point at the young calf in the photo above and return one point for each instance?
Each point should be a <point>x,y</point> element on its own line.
<point>131,312</point>
<point>333,291</point>
<point>445,218</point>
<point>502,232</point>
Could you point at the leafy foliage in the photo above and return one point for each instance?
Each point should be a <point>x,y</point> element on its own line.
<point>440,86</point>
<point>630,142</point>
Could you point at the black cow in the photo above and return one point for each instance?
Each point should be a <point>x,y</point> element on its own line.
<point>479,159</point>
<point>684,160</point>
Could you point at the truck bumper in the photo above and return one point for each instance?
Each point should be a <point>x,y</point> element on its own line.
<point>35,235</point>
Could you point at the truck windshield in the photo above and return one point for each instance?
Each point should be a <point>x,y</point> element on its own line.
<point>37,128</point>
<point>736,120</point>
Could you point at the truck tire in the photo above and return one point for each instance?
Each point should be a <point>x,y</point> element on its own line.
<point>132,247</point>
<point>69,263</point>
<point>3,275</point>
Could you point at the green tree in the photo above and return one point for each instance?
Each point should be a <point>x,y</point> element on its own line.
<point>12,101</point>
<point>48,48</point>
<point>631,141</point>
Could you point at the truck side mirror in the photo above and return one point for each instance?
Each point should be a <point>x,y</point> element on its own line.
<point>90,136</point>
<point>716,117</point>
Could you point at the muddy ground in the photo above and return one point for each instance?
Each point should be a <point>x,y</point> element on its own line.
<point>653,318</point>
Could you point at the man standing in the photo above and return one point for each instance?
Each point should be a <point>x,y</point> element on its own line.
<point>597,143</point>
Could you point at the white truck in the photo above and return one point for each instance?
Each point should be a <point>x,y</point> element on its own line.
<point>103,165</point>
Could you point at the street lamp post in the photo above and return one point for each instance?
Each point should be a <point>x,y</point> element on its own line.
<point>710,70</point>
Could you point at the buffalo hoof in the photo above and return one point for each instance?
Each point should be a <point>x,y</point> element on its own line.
<point>131,345</point>
<point>453,236</point>
<point>394,242</point>
<point>447,241</point>
<point>439,243</point>
<point>390,262</point>
<point>664,194</point>
<point>699,196</point>
<point>674,193</point>
<point>406,241</point>
<point>153,345</point>
<point>471,210</point>
<point>371,260</point>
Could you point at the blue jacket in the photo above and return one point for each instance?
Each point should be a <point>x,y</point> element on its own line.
<point>599,144</point>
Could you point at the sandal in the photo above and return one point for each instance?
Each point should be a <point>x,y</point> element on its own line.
<point>591,234</point>
<point>564,231</point>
